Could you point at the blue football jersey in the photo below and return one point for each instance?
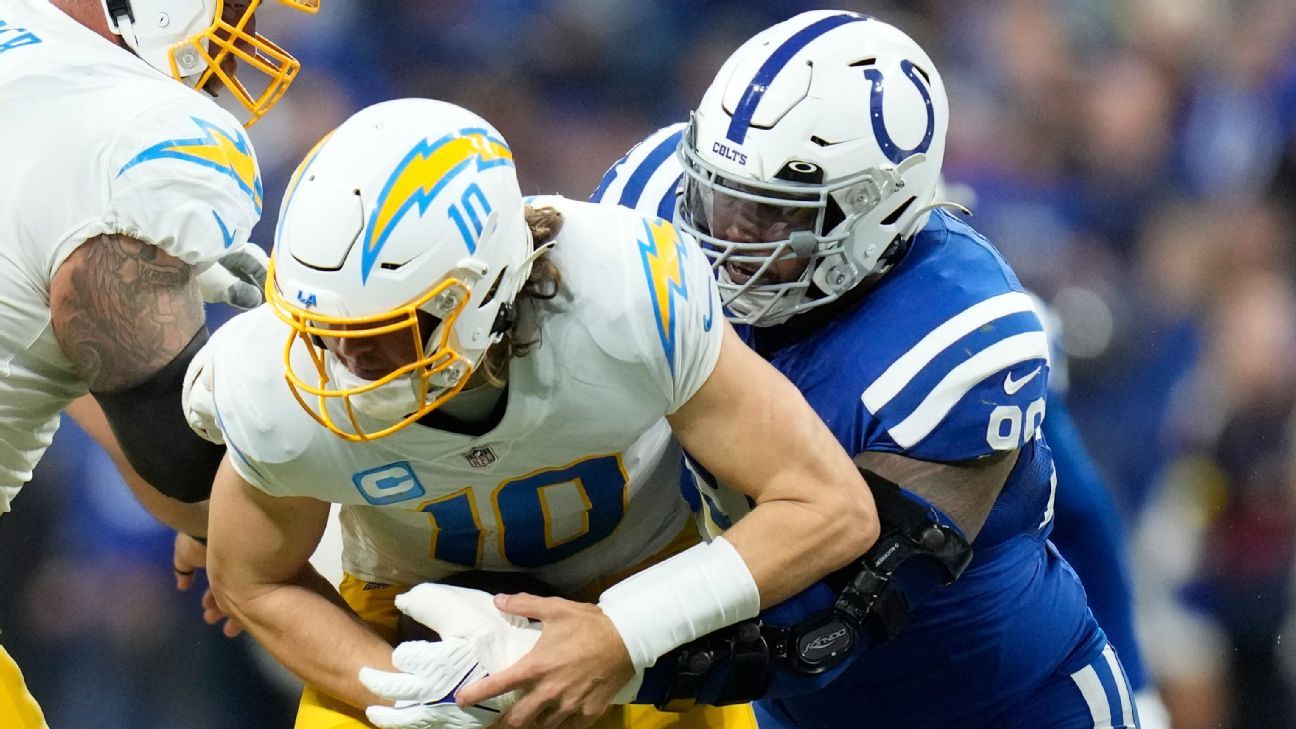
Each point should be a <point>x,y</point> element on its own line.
<point>946,360</point>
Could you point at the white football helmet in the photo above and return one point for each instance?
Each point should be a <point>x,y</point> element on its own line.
<point>407,218</point>
<point>195,40</point>
<point>814,153</point>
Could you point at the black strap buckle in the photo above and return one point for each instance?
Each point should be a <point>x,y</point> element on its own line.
<point>118,8</point>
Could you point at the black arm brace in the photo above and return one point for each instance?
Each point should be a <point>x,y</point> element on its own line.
<point>737,664</point>
<point>149,423</point>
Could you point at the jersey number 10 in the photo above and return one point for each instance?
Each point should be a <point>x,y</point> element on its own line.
<point>528,529</point>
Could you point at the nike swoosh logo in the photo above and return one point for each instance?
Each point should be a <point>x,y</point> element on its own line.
<point>706,323</point>
<point>1011,386</point>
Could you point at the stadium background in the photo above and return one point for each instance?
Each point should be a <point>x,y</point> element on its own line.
<point>1135,160</point>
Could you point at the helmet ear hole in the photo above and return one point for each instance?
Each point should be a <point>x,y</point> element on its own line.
<point>895,214</point>
<point>833,215</point>
<point>494,287</point>
<point>427,325</point>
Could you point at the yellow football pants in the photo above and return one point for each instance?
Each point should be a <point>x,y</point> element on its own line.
<point>377,607</point>
<point>17,707</point>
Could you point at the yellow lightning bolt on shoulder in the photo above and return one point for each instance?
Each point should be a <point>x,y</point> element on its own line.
<point>663,262</point>
<point>228,154</point>
<point>225,153</point>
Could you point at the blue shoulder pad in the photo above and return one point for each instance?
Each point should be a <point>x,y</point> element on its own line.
<point>647,177</point>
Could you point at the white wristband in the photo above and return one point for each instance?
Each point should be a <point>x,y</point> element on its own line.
<point>696,592</point>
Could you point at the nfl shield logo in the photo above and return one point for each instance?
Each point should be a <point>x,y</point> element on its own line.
<point>480,457</point>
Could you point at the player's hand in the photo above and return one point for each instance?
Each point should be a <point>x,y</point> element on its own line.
<point>577,668</point>
<point>424,690</point>
<point>197,400</point>
<point>476,638</point>
<point>236,278</point>
<point>190,556</point>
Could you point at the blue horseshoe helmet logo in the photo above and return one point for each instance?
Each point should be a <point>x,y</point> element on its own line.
<point>889,148</point>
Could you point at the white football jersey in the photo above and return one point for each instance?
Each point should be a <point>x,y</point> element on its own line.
<point>581,476</point>
<point>94,141</point>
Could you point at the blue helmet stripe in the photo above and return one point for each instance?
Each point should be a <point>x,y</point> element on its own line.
<point>765,74</point>
<point>643,173</point>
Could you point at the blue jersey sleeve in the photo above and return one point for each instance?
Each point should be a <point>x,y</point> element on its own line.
<point>944,360</point>
<point>973,386</point>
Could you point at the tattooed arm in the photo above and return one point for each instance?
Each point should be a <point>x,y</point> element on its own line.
<point>123,309</point>
<point>129,318</point>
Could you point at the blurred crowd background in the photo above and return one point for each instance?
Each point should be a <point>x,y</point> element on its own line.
<point>1135,160</point>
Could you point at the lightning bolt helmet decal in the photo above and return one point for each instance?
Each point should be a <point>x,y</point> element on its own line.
<point>420,176</point>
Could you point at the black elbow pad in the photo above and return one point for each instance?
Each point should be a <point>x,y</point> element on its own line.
<point>149,423</point>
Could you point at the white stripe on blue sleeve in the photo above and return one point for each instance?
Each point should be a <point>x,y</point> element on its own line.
<point>1122,685</point>
<point>1105,701</point>
<point>942,398</point>
<point>1091,688</point>
<point>904,369</point>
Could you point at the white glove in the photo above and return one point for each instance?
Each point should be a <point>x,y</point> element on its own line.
<point>476,639</point>
<point>236,278</point>
<point>196,397</point>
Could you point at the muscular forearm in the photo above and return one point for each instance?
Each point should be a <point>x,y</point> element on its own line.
<point>307,627</point>
<point>813,511</point>
<point>787,546</point>
<point>261,577</point>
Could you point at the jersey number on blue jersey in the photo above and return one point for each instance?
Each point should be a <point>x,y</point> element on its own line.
<point>534,514</point>
<point>1010,427</point>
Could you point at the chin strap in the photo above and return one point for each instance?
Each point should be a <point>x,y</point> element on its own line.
<point>121,21</point>
<point>504,319</point>
<point>116,10</point>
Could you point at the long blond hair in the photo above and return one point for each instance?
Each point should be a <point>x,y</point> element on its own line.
<point>541,285</point>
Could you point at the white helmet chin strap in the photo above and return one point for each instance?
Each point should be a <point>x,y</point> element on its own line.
<point>121,21</point>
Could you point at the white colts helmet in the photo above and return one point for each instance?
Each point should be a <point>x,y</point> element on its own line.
<point>199,41</point>
<point>407,218</point>
<point>819,144</point>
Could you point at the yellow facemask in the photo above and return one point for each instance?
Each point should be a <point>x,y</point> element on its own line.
<point>439,371</point>
<point>230,43</point>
